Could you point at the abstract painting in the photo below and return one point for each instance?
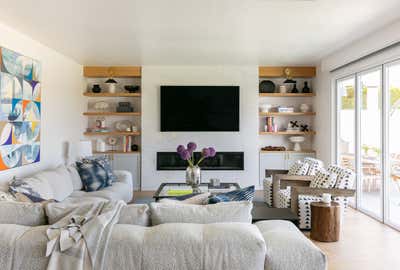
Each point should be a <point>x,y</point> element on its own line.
<point>20,99</point>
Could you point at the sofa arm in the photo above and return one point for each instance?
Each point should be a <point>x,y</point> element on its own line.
<point>296,191</point>
<point>124,177</point>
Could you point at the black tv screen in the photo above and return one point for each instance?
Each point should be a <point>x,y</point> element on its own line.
<point>199,108</point>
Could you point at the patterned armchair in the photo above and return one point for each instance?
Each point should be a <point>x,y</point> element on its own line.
<point>299,174</point>
<point>335,180</point>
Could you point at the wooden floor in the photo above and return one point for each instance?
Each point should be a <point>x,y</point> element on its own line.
<point>365,244</point>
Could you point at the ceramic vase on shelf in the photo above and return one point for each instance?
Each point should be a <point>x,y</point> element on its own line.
<point>193,178</point>
<point>306,89</point>
<point>112,85</point>
<point>305,107</point>
<point>295,90</point>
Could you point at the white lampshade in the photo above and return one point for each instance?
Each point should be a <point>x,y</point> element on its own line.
<point>85,149</point>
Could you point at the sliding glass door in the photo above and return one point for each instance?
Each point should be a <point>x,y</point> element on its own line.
<point>370,109</point>
<point>392,72</point>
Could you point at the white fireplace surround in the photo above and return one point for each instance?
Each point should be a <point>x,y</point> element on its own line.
<point>155,141</point>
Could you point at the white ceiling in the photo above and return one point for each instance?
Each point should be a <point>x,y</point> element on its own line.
<point>197,32</point>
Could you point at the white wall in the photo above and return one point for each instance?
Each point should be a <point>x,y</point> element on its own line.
<point>62,102</point>
<point>324,100</point>
<point>154,140</point>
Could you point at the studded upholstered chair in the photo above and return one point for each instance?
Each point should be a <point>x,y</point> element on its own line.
<point>335,180</point>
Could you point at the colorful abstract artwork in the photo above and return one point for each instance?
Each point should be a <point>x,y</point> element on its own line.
<point>20,99</point>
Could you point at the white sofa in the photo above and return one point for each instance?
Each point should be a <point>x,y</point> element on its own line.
<point>64,185</point>
<point>268,245</point>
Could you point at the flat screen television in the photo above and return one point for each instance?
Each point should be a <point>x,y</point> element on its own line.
<point>199,108</point>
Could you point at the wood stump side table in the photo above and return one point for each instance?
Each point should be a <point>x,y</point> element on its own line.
<point>325,221</point>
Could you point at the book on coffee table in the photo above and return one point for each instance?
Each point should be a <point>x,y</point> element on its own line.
<point>179,192</point>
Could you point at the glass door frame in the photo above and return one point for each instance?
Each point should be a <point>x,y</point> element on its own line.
<point>384,134</point>
<point>385,149</point>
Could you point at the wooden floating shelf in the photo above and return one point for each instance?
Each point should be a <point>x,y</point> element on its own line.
<point>88,94</point>
<point>111,152</point>
<point>112,113</point>
<point>287,94</point>
<point>112,133</point>
<point>288,151</point>
<point>278,72</point>
<point>115,72</point>
<point>286,113</point>
<point>288,133</point>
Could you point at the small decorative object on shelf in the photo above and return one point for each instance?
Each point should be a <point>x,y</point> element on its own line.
<point>293,126</point>
<point>193,172</point>
<point>306,89</point>
<point>305,107</point>
<point>100,145</point>
<point>297,140</point>
<point>288,74</point>
<point>294,89</point>
<point>101,106</point>
<point>124,107</point>
<point>96,88</point>
<point>124,125</point>
<point>273,148</point>
<point>132,88</point>
<point>112,85</point>
<point>304,128</point>
<point>112,141</point>
<point>267,86</point>
<point>134,147</point>
<point>270,125</point>
<point>265,107</point>
<point>100,123</point>
<point>282,89</point>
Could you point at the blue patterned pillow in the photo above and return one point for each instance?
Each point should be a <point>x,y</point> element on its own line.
<point>244,194</point>
<point>95,173</point>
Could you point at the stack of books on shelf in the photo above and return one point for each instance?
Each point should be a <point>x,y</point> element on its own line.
<point>126,144</point>
<point>270,125</point>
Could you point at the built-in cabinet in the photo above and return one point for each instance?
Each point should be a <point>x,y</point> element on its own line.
<point>129,163</point>
<point>121,126</point>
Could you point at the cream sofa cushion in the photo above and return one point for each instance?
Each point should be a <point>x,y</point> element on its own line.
<point>28,214</point>
<point>201,214</point>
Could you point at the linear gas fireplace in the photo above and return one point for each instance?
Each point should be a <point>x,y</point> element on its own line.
<point>223,161</point>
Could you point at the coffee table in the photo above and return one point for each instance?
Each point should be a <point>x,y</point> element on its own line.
<point>163,191</point>
<point>261,211</point>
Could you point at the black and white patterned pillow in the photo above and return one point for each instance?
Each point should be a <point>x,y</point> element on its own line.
<point>345,179</point>
<point>323,179</point>
<point>314,165</point>
<point>299,168</point>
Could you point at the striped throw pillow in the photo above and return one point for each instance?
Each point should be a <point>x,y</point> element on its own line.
<point>244,194</point>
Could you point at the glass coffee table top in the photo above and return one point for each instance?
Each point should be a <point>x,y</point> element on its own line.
<point>171,190</point>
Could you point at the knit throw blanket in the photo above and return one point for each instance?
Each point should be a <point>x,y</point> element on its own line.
<point>78,240</point>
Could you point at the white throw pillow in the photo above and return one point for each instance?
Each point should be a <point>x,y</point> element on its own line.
<point>200,199</point>
<point>75,177</point>
<point>201,214</point>
<point>299,168</point>
<point>59,180</point>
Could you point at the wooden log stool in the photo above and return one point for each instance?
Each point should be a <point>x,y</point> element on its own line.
<point>325,221</point>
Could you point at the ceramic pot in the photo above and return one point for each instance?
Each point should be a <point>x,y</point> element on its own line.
<point>305,107</point>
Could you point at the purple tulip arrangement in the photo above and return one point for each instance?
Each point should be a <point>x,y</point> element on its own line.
<point>187,153</point>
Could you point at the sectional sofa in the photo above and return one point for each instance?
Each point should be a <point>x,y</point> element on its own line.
<point>165,236</point>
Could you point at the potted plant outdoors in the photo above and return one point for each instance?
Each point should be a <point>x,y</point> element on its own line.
<point>193,171</point>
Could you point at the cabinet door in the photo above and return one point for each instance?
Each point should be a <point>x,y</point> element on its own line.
<point>131,163</point>
<point>293,157</point>
<point>271,161</point>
